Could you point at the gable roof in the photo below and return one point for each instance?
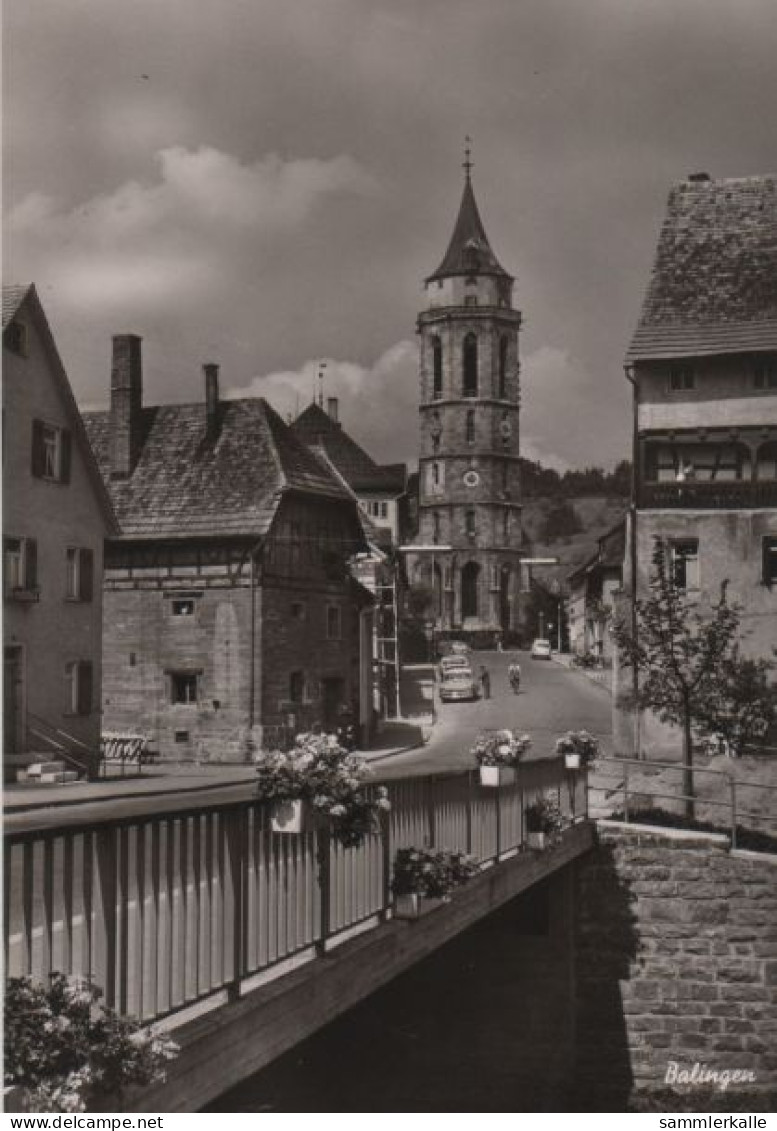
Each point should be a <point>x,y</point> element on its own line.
<point>317,429</point>
<point>186,484</point>
<point>23,299</point>
<point>469,252</point>
<point>713,287</point>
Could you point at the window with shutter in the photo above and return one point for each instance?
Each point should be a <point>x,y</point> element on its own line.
<point>51,452</point>
<point>80,574</point>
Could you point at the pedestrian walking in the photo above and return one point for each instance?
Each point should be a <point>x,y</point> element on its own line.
<point>485,681</point>
<point>514,675</point>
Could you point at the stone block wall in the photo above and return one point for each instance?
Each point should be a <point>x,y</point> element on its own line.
<point>676,960</point>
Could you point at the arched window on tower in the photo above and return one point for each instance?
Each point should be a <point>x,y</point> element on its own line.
<point>469,589</point>
<point>503,367</point>
<point>470,366</point>
<point>435,528</point>
<point>470,426</point>
<point>436,368</point>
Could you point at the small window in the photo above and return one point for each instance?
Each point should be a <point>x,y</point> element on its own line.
<point>297,610</point>
<point>470,300</point>
<point>436,368</point>
<point>296,686</point>
<point>769,574</point>
<point>503,347</point>
<point>470,426</point>
<point>765,375</point>
<point>16,338</point>
<point>684,563</point>
<point>333,622</point>
<point>183,687</point>
<point>20,566</point>
<point>470,366</point>
<point>469,523</point>
<point>384,510</point>
<point>506,527</point>
<point>79,679</point>
<point>182,607</point>
<point>50,452</point>
<point>682,377</point>
<point>181,736</point>
<point>80,574</point>
<point>435,528</point>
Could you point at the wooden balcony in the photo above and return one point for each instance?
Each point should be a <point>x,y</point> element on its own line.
<point>695,495</point>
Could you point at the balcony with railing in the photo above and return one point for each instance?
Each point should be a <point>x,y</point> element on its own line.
<point>708,495</point>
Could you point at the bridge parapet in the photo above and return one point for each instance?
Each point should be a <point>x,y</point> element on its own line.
<point>188,906</point>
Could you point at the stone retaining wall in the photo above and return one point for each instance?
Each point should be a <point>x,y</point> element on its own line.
<point>676,959</point>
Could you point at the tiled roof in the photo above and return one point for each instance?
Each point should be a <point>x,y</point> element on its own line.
<point>316,428</point>
<point>469,252</point>
<point>714,283</point>
<point>13,297</point>
<point>186,484</point>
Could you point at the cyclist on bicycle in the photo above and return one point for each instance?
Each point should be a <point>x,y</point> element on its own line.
<point>514,675</point>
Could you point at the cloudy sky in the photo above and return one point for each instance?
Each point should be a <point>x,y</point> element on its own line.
<point>265,183</point>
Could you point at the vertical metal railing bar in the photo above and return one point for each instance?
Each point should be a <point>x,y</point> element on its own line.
<point>28,894</point>
<point>68,916</point>
<point>87,862</point>
<point>225,908</point>
<point>154,963</point>
<point>141,837</point>
<point>197,900</point>
<point>123,901</point>
<point>106,839</point>
<point>208,910</point>
<point>8,872</point>
<point>47,931</point>
<point>262,880</point>
<point>323,860</point>
<point>184,932</point>
<point>170,888</point>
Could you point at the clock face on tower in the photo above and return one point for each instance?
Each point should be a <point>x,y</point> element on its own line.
<point>471,479</point>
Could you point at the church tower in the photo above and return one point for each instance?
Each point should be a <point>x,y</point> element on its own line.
<point>469,474</point>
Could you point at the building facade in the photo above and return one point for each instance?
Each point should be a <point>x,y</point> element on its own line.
<point>56,515</point>
<point>469,496</point>
<point>703,366</point>
<point>594,589</point>
<point>231,619</point>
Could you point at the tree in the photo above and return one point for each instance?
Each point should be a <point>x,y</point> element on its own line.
<point>683,656</point>
<point>561,521</point>
<point>744,707</point>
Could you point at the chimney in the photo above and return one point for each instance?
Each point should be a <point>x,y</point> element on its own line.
<point>126,404</point>
<point>699,178</point>
<point>211,371</point>
<point>332,409</point>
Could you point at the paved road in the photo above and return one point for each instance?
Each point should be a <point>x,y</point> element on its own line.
<point>552,700</point>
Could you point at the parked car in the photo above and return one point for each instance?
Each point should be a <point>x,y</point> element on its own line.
<point>453,663</point>
<point>541,650</point>
<point>459,683</point>
<point>459,648</point>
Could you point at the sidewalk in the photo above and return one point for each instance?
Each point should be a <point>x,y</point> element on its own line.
<point>395,737</point>
<point>600,676</point>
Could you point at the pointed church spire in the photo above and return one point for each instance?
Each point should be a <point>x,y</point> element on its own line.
<point>469,252</point>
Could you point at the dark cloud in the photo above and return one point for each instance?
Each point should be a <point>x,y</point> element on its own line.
<point>277,186</point>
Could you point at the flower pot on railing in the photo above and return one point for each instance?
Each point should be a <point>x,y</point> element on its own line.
<point>291,816</point>
<point>572,761</point>
<point>537,839</point>
<point>494,776</point>
<point>544,821</point>
<point>580,749</point>
<point>413,905</point>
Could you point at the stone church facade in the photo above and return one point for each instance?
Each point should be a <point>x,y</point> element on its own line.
<point>468,547</point>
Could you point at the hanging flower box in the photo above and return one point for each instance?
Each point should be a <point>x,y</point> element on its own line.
<point>544,821</point>
<point>572,761</point>
<point>580,749</point>
<point>537,840</point>
<point>293,816</point>
<point>494,776</point>
<point>498,754</point>
<point>319,781</point>
<point>413,905</point>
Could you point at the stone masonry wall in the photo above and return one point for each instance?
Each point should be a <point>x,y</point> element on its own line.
<point>676,959</point>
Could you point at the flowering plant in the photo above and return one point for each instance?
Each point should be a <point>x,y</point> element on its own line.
<point>434,874</point>
<point>337,784</point>
<point>66,1049</point>
<point>579,742</point>
<point>500,748</point>
<point>544,816</point>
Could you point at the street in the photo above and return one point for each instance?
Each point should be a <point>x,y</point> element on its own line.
<point>551,701</point>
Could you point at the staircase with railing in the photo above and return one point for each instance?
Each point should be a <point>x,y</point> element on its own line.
<point>69,759</point>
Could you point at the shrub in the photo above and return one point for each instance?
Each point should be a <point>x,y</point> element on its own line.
<point>434,874</point>
<point>66,1049</point>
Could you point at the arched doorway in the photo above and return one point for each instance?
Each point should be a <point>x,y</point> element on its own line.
<point>469,590</point>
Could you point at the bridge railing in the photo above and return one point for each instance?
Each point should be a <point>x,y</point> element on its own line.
<point>165,909</point>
